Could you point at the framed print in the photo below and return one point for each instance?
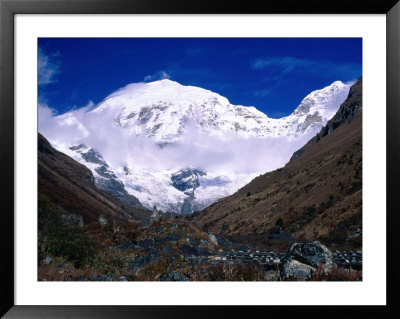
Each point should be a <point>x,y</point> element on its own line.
<point>166,159</point>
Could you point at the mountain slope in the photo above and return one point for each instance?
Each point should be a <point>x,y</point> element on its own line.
<point>316,196</point>
<point>71,185</point>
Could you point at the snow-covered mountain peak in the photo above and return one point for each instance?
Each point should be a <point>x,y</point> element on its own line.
<point>324,99</point>
<point>135,96</point>
<point>164,109</point>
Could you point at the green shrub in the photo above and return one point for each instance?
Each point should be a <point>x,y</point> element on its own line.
<point>111,260</point>
<point>56,237</point>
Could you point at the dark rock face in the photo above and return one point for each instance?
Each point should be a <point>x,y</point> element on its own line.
<point>103,171</point>
<point>187,180</point>
<point>92,156</point>
<point>302,259</point>
<point>173,276</point>
<point>109,183</point>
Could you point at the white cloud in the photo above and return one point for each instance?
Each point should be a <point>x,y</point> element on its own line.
<point>160,75</point>
<point>48,68</point>
<point>215,153</point>
<point>61,128</point>
<point>45,115</point>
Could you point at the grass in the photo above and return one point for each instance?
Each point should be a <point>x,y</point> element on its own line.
<point>337,274</point>
<point>241,272</point>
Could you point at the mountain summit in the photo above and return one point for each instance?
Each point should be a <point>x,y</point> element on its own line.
<point>181,148</point>
<point>164,109</point>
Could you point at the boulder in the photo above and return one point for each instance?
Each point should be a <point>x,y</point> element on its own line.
<point>302,259</point>
<point>122,278</point>
<point>47,261</point>
<point>102,220</point>
<point>213,239</point>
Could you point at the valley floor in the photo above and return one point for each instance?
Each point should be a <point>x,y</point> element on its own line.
<point>223,266</point>
<point>172,250</point>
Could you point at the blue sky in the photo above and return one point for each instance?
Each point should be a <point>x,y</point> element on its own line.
<point>272,74</point>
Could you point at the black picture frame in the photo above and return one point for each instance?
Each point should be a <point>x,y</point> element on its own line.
<point>8,8</point>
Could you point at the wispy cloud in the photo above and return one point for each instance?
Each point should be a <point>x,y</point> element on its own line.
<point>262,93</point>
<point>48,67</point>
<point>286,64</point>
<point>160,75</point>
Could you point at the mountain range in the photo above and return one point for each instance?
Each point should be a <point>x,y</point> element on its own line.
<point>181,148</point>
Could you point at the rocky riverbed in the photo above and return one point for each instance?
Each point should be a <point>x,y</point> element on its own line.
<point>271,260</point>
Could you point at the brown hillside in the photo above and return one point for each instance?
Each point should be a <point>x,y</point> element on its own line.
<point>71,184</point>
<point>316,196</point>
